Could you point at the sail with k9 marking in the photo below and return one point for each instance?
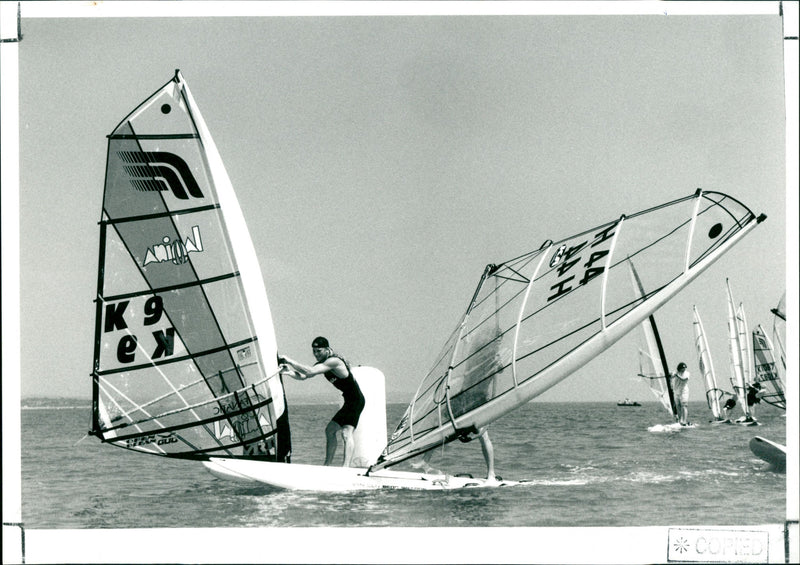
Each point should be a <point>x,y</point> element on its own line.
<point>185,358</point>
<point>542,315</point>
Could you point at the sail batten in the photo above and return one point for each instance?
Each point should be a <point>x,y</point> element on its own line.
<point>180,359</point>
<point>143,137</point>
<point>166,214</point>
<point>575,304</point>
<point>165,289</point>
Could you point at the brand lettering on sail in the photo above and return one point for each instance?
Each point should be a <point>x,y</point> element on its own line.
<point>160,171</point>
<point>246,424</point>
<point>157,439</point>
<point>176,250</point>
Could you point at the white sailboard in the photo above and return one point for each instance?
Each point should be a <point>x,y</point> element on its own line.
<point>335,479</point>
<point>185,357</point>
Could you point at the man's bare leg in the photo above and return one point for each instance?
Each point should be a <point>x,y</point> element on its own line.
<point>330,444</point>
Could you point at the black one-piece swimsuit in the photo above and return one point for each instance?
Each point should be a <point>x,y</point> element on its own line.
<point>349,414</point>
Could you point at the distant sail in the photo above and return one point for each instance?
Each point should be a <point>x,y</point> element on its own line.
<point>744,343</point>
<point>559,306</point>
<point>653,364</point>
<point>185,359</point>
<point>766,372</point>
<point>735,349</point>
<point>780,318</point>
<point>713,393</point>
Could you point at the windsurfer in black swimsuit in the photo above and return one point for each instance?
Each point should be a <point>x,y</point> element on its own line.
<point>337,371</point>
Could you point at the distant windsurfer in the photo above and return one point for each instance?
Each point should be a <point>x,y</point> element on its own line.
<point>754,394</point>
<point>337,371</point>
<point>730,404</point>
<point>680,388</point>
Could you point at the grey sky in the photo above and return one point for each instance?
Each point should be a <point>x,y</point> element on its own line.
<point>381,162</point>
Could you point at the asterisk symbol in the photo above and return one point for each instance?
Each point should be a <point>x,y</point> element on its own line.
<point>681,545</point>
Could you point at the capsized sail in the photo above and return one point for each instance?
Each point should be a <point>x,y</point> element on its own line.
<point>653,364</point>
<point>766,371</point>
<point>185,356</point>
<point>737,377</point>
<point>557,307</point>
<point>713,393</point>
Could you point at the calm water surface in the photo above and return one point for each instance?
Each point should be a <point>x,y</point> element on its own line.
<point>589,464</point>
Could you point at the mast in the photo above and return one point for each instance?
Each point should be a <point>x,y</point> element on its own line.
<point>737,373</point>
<point>713,393</point>
<point>653,338</point>
<point>745,343</point>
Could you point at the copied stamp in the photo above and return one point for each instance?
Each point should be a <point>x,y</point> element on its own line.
<point>711,545</point>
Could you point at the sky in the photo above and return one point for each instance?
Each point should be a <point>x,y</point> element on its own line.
<point>382,162</point>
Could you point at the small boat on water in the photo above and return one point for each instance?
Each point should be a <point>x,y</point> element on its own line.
<point>628,402</point>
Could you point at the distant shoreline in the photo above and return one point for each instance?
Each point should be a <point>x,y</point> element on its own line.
<point>57,403</point>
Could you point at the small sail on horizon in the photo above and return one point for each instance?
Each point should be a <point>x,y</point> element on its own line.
<point>562,304</point>
<point>766,371</point>
<point>779,316</point>
<point>653,364</point>
<point>714,394</point>
<point>185,358</point>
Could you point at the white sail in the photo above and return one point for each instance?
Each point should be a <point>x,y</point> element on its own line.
<point>766,370</point>
<point>185,361</point>
<point>713,393</point>
<point>558,307</point>
<point>652,359</point>
<point>778,320</point>
<point>736,362</point>
<point>744,343</point>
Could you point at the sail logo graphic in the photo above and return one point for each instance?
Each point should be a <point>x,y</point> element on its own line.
<point>242,424</point>
<point>176,251</point>
<point>159,171</point>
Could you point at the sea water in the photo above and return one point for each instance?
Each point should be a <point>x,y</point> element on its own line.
<point>587,464</point>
